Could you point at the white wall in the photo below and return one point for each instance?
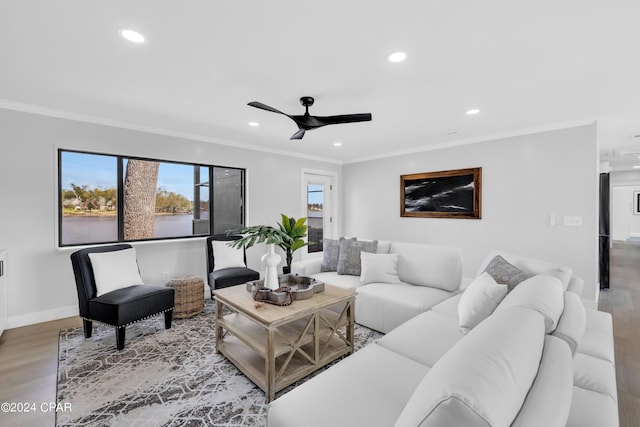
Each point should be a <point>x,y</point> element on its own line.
<point>524,179</point>
<point>40,279</point>
<point>624,222</point>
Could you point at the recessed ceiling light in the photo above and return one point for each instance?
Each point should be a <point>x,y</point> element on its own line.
<point>254,124</point>
<point>472,111</point>
<point>397,57</point>
<point>636,167</point>
<point>131,35</point>
<point>337,144</point>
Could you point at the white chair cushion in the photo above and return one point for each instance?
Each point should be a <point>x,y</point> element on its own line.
<point>381,268</point>
<point>448,306</point>
<point>225,256</point>
<point>541,293</point>
<point>479,300</point>
<point>115,270</point>
<point>485,377</point>
<point>573,321</point>
<point>429,265</point>
<point>597,340</point>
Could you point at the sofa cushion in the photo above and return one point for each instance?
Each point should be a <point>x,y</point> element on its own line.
<point>384,306</point>
<point>531,265</point>
<point>479,300</point>
<point>424,338</point>
<point>331,254</point>
<point>549,399</point>
<point>429,265</point>
<point>505,273</point>
<point>368,388</point>
<point>589,408</point>
<point>114,270</point>
<point>349,258</point>
<point>448,306</point>
<point>335,279</point>
<point>485,377</point>
<point>573,321</point>
<point>382,268</point>
<point>592,373</point>
<point>541,293</point>
<point>597,340</point>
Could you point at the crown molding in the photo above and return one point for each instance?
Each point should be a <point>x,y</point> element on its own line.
<point>86,118</point>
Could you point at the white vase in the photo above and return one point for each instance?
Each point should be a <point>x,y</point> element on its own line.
<point>271,260</point>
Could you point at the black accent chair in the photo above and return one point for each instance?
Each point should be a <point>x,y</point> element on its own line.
<point>120,307</point>
<point>227,276</point>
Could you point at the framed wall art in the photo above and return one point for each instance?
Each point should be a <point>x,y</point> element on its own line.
<point>636,202</point>
<point>445,194</point>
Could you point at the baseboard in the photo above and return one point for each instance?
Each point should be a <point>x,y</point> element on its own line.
<point>41,316</point>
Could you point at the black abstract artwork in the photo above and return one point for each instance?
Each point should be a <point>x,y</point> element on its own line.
<point>446,194</point>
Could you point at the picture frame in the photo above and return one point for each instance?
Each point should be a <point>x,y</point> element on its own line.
<point>636,202</point>
<point>444,194</point>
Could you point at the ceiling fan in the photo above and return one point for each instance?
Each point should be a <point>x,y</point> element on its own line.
<point>308,122</point>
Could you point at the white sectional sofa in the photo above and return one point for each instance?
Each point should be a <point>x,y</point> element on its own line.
<point>428,274</point>
<point>540,359</point>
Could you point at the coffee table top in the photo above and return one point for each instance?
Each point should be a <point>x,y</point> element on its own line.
<point>240,299</point>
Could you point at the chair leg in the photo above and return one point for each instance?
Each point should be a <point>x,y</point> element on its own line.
<point>87,325</point>
<point>168,317</point>
<point>120,334</point>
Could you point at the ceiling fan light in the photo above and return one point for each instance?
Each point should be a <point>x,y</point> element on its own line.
<point>397,57</point>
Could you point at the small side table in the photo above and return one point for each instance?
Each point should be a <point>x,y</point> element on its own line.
<point>189,295</point>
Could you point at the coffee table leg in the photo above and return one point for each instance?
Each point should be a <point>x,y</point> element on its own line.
<point>270,366</point>
<point>350,326</point>
<point>218,327</point>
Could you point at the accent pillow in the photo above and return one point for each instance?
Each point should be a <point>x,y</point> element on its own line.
<point>349,259</point>
<point>331,254</point>
<point>379,268</point>
<point>479,300</point>
<point>505,273</point>
<point>225,256</point>
<point>115,270</point>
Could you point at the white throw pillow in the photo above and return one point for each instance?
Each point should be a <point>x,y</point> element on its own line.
<point>479,300</point>
<point>225,256</point>
<point>379,268</point>
<point>115,270</point>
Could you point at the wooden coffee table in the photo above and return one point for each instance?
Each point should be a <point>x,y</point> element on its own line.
<point>277,345</point>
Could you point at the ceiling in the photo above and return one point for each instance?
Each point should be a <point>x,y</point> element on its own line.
<point>526,66</point>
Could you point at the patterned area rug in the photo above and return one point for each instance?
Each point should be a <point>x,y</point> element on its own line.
<point>161,378</point>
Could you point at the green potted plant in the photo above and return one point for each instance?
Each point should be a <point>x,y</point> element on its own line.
<point>296,230</point>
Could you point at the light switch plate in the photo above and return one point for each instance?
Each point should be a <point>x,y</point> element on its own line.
<point>572,221</point>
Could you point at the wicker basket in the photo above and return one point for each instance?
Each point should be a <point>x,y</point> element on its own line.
<point>189,295</point>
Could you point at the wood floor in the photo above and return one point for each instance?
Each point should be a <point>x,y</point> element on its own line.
<point>28,355</point>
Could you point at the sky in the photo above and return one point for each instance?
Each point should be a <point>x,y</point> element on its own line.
<point>101,171</point>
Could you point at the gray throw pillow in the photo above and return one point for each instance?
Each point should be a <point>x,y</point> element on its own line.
<point>349,259</point>
<point>330,254</point>
<point>505,273</point>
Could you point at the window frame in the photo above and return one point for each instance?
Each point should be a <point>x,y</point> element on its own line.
<point>120,196</point>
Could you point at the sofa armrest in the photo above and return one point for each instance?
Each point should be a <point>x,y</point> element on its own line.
<point>306,267</point>
<point>575,285</point>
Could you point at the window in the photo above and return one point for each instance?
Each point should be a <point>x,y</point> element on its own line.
<point>318,208</point>
<point>108,198</point>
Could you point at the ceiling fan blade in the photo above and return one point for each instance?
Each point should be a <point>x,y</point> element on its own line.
<point>344,118</point>
<point>262,106</point>
<point>298,135</point>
